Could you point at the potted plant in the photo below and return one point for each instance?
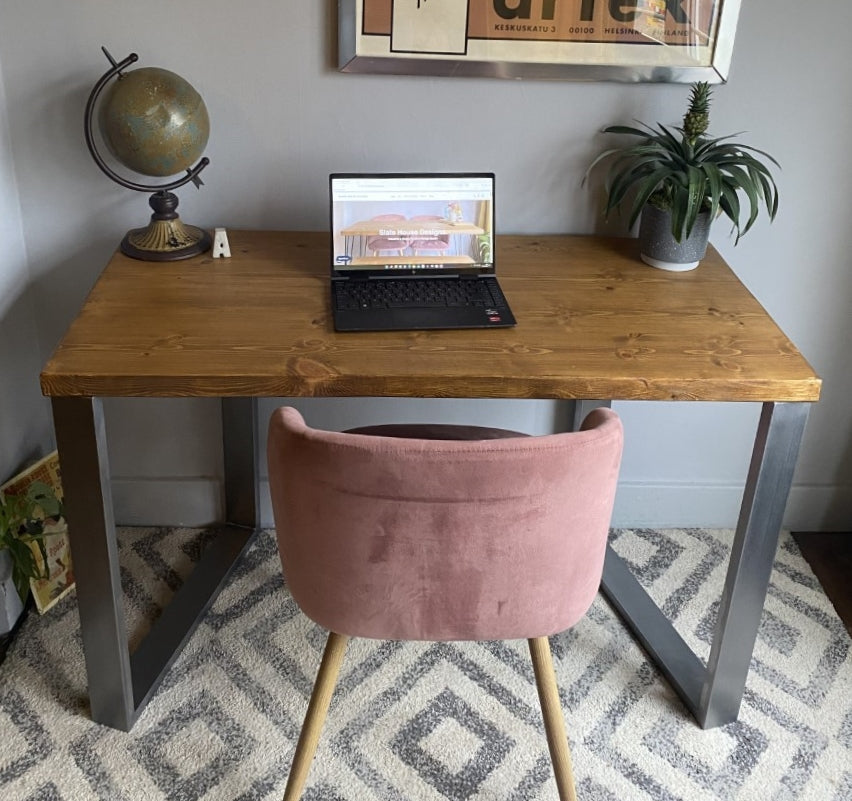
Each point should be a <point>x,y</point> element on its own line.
<point>25,519</point>
<point>680,179</point>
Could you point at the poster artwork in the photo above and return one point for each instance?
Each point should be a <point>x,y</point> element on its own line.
<point>59,579</point>
<point>429,26</point>
<point>446,27</point>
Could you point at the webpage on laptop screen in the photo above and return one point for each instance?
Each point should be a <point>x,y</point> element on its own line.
<point>412,223</point>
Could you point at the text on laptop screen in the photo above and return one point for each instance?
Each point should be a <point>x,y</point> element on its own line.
<point>412,223</point>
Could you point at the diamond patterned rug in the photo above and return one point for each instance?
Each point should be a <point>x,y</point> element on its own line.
<point>433,721</point>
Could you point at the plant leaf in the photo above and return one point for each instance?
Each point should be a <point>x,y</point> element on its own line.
<point>694,198</point>
<point>646,189</point>
<point>714,181</point>
<point>730,204</point>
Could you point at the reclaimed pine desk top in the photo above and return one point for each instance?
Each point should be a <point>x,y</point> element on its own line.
<point>411,227</point>
<point>594,322</point>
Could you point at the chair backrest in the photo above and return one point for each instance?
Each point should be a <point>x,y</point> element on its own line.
<point>408,538</point>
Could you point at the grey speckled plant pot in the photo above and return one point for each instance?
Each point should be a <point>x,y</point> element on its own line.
<point>658,247</point>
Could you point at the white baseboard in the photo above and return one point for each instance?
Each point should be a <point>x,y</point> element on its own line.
<point>199,502</point>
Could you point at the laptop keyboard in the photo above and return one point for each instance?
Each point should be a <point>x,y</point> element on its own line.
<point>418,293</point>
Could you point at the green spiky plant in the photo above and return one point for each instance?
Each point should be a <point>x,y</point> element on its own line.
<point>23,518</point>
<point>686,172</point>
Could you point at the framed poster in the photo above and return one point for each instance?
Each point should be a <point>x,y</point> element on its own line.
<point>58,578</point>
<point>620,40</point>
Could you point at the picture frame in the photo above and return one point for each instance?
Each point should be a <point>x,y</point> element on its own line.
<point>678,41</point>
<point>58,573</point>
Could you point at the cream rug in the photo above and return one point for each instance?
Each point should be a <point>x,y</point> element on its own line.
<point>420,721</point>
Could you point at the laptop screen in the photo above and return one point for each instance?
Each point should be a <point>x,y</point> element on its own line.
<point>412,224</point>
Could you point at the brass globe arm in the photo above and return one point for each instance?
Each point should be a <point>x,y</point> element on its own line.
<point>117,67</point>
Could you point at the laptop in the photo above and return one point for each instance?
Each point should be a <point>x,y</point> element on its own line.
<point>413,251</point>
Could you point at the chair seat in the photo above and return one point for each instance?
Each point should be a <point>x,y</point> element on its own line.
<point>440,431</point>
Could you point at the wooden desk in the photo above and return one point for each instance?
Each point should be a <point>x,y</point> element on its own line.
<point>374,261</point>
<point>411,228</point>
<point>407,230</point>
<point>594,325</point>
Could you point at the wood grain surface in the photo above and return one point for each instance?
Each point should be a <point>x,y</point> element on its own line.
<point>594,322</point>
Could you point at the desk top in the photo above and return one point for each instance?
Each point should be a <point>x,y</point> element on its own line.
<point>411,227</point>
<point>594,322</point>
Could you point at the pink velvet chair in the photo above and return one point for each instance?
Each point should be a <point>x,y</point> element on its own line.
<point>379,243</point>
<point>434,243</point>
<point>442,533</point>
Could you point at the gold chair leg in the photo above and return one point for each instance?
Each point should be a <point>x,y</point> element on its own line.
<point>554,722</point>
<point>332,658</point>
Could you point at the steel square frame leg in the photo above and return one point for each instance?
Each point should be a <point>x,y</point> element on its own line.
<point>713,693</point>
<point>120,684</point>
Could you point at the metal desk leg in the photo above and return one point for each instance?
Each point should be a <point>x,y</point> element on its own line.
<point>770,476</point>
<point>81,441</point>
<point>713,693</point>
<point>181,617</point>
<point>240,443</point>
<point>583,407</point>
<point>121,684</point>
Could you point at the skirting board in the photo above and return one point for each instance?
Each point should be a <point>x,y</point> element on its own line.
<point>199,502</point>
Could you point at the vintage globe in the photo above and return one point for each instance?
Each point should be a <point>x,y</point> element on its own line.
<point>154,122</point>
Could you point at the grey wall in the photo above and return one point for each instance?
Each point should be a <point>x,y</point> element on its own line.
<point>24,418</point>
<point>283,118</point>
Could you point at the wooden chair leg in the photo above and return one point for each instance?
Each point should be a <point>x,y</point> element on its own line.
<point>554,722</point>
<point>332,658</point>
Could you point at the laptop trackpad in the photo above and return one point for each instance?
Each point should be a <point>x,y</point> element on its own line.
<point>419,318</point>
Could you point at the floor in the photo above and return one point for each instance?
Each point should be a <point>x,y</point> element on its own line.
<point>830,557</point>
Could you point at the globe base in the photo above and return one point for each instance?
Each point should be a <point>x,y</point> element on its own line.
<point>165,238</point>
<point>165,241</point>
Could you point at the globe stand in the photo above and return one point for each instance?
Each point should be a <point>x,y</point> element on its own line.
<point>165,238</point>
